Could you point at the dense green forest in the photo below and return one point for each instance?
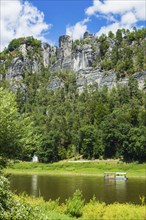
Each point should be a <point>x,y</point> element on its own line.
<point>61,124</point>
<point>64,123</point>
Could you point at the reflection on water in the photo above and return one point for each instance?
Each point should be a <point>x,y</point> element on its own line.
<point>117,188</point>
<point>108,191</point>
<point>34,185</point>
<point>121,187</point>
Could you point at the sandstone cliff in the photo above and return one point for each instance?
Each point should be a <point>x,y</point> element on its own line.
<point>90,58</point>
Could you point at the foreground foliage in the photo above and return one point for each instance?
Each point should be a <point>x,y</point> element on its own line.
<point>24,208</point>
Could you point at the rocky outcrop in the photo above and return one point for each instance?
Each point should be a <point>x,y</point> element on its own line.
<point>76,59</point>
<point>65,46</point>
<point>55,84</point>
<point>83,57</point>
<point>141,78</point>
<point>79,58</point>
<point>109,79</point>
<point>19,67</point>
<point>46,52</point>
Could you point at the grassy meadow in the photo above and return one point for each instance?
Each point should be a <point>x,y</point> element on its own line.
<point>78,168</point>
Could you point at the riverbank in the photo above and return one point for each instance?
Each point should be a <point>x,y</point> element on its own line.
<point>23,207</point>
<point>74,208</point>
<point>78,168</point>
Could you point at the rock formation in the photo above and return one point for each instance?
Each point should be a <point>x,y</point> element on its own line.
<point>80,57</point>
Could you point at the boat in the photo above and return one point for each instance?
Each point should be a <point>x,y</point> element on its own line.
<point>115,175</point>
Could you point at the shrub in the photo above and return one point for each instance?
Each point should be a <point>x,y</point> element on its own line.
<point>33,42</point>
<point>61,152</point>
<point>12,208</point>
<point>124,212</point>
<point>74,205</point>
<point>5,194</point>
<point>53,59</point>
<point>93,210</point>
<point>106,64</point>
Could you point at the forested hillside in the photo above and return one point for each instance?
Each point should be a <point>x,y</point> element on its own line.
<point>59,122</point>
<point>62,124</point>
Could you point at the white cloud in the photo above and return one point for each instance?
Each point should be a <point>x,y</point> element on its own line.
<point>129,12</point>
<point>76,31</point>
<point>112,27</point>
<point>105,29</point>
<point>118,7</point>
<point>128,19</point>
<point>19,20</point>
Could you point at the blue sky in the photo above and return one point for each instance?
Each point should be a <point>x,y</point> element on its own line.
<point>48,19</point>
<point>61,13</point>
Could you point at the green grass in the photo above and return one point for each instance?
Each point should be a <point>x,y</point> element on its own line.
<point>78,168</point>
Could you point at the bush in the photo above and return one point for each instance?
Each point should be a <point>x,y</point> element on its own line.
<point>15,43</point>
<point>33,42</point>
<point>75,204</point>
<point>5,194</point>
<point>106,64</point>
<point>93,210</point>
<point>61,153</point>
<point>12,208</point>
<point>124,212</point>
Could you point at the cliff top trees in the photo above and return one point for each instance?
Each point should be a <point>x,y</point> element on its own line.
<point>15,43</point>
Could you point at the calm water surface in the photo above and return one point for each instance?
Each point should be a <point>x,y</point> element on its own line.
<point>52,187</point>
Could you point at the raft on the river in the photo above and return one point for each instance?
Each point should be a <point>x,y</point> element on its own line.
<point>115,175</point>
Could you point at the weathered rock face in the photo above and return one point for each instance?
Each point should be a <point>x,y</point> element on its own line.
<point>87,35</point>
<point>65,46</point>
<point>19,66</point>
<point>46,50</point>
<point>109,79</point>
<point>80,58</point>
<point>96,77</point>
<point>23,50</point>
<point>76,59</point>
<point>55,84</point>
<point>141,78</point>
<point>83,57</point>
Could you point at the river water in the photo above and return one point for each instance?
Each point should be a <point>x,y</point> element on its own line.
<point>63,186</point>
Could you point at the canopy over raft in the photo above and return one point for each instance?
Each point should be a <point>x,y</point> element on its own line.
<point>115,175</point>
